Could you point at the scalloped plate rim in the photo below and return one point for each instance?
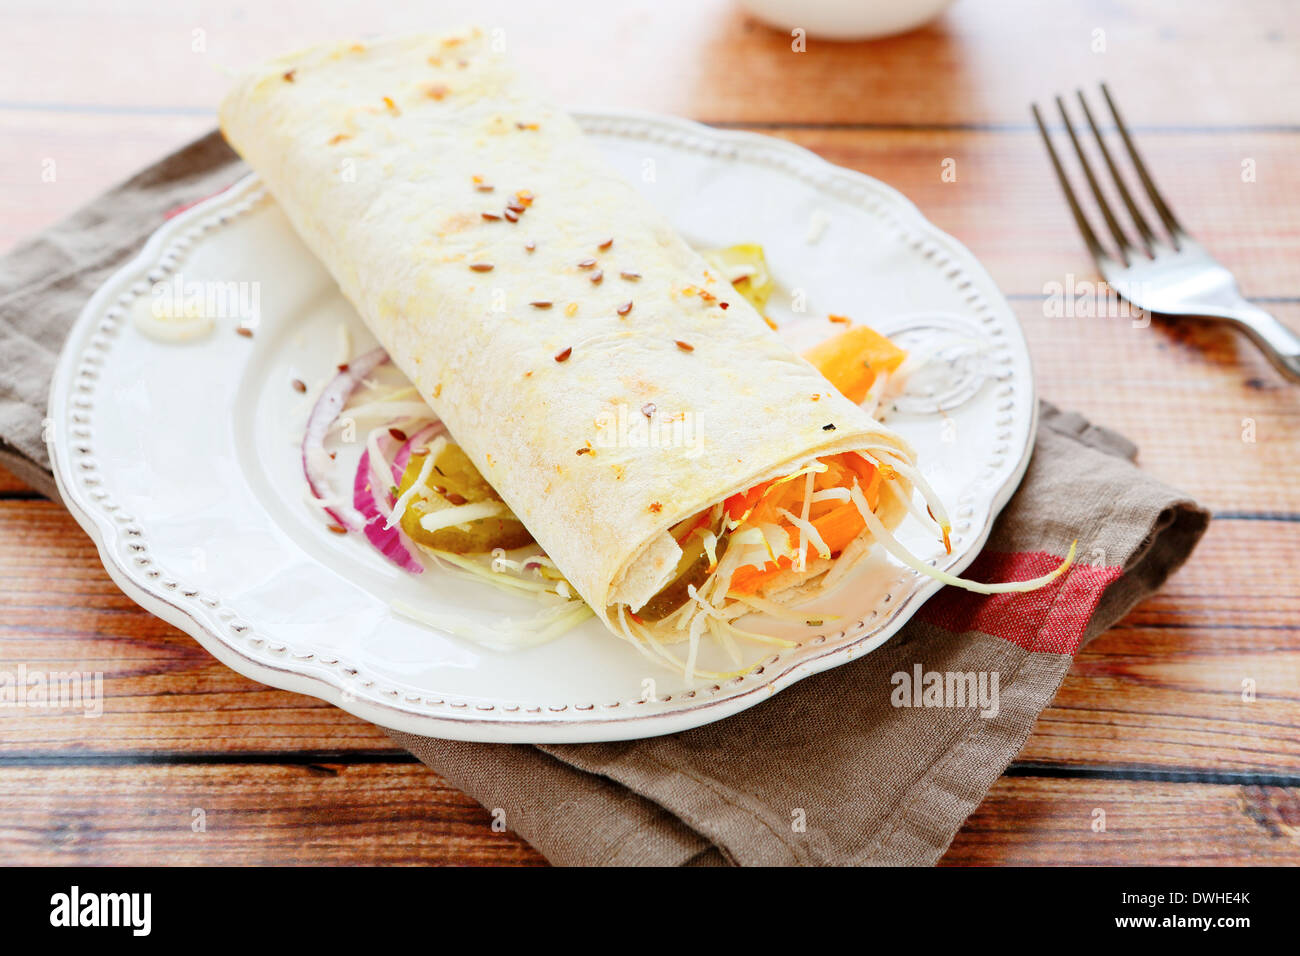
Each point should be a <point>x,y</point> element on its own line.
<point>516,727</point>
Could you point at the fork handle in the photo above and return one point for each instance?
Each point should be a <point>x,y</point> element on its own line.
<point>1278,343</point>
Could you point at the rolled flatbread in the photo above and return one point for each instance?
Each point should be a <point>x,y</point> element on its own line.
<point>546,311</point>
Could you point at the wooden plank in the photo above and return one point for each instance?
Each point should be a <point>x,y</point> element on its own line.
<point>1210,417</point>
<point>258,814</point>
<point>981,62</point>
<point>1037,821</point>
<point>163,691</point>
<point>402,814</point>
<point>1006,205</point>
<point>11,485</point>
<point>1162,689</point>
<point>1204,674</point>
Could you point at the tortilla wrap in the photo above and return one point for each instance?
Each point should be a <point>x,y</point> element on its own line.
<point>386,155</point>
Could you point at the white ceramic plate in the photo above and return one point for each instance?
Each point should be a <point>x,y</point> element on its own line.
<point>179,459</point>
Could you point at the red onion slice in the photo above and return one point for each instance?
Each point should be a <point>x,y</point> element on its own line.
<point>390,542</point>
<point>315,459</point>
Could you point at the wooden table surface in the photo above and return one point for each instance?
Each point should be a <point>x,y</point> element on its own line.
<point>1150,725</point>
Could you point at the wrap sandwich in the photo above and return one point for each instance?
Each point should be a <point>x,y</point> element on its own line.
<point>548,314</point>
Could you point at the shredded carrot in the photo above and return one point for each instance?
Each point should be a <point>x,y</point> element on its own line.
<point>838,523</point>
<point>840,526</point>
<point>850,361</point>
<point>740,504</point>
<point>748,579</point>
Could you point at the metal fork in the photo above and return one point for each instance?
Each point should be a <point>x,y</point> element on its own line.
<point>1171,274</point>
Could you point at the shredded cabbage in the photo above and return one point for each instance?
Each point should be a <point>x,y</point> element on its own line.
<point>545,626</point>
<point>830,494</point>
<point>892,545</point>
<point>806,530</point>
<point>383,409</point>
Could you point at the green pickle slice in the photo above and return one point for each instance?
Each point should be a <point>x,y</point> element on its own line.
<point>693,568</point>
<point>455,481</point>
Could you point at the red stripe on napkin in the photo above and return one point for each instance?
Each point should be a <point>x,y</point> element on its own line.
<point>1051,619</point>
<point>177,210</point>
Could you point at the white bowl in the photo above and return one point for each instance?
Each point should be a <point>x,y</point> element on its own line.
<point>846,19</point>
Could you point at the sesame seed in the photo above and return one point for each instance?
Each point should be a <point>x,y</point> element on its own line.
<point>625,308</point>
<point>288,76</point>
<point>540,304</point>
<point>564,356</point>
<point>597,276</point>
<point>605,245</point>
<point>685,346</point>
<point>587,264</point>
<point>299,385</point>
<point>482,266</point>
<point>398,434</point>
<point>530,245</point>
<point>244,330</point>
<point>648,409</point>
<point>516,207</point>
<point>489,215</point>
<point>338,529</point>
<point>630,276</point>
<point>511,215</point>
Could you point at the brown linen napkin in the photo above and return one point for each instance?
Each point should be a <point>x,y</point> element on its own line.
<point>843,767</point>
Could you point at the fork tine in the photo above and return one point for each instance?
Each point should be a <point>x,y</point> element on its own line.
<point>1139,220</point>
<point>1103,204</point>
<point>1089,237</point>
<point>1166,214</point>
